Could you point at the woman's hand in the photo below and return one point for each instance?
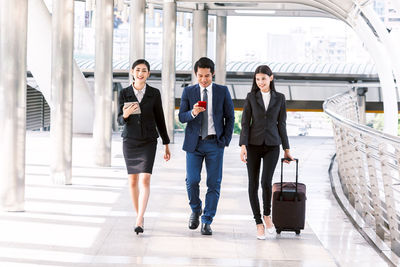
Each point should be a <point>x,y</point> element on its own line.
<point>127,111</point>
<point>167,154</point>
<point>287,155</point>
<point>243,153</point>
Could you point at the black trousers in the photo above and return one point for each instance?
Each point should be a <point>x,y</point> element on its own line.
<point>269,155</point>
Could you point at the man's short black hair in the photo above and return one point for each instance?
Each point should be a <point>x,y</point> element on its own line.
<point>204,63</point>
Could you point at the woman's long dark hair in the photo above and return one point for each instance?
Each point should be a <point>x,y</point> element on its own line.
<point>266,70</point>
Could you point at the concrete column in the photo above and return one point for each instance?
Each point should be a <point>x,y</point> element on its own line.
<point>61,90</point>
<point>103,82</point>
<point>199,45</point>
<point>220,62</point>
<point>137,31</point>
<point>39,63</point>
<point>13,43</point>
<point>168,64</point>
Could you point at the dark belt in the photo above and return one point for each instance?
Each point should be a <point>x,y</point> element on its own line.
<point>209,137</point>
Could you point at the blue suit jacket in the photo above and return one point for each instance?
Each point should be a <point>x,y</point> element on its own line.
<point>223,115</point>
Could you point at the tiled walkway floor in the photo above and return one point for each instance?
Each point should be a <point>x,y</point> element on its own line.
<point>90,223</point>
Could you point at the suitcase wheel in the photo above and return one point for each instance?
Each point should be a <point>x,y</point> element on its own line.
<point>278,231</point>
<point>297,232</point>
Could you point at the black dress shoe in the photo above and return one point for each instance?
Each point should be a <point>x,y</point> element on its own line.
<point>206,229</point>
<point>194,220</point>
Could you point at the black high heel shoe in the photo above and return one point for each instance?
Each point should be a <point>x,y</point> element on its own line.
<point>139,229</point>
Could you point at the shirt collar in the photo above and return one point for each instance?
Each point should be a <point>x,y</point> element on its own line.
<point>208,87</point>
<point>266,93</point>
<point>137,91</point>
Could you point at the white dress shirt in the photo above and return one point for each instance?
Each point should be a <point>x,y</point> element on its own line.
<point>266,98</point>
<point>138,92</point>
<point>211,128</point>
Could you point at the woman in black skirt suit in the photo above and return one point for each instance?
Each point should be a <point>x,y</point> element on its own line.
<point>263,130</point>
<point>141,113</point>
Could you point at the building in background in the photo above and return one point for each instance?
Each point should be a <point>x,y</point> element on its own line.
<point>384,8</point>
<point>270,39</point>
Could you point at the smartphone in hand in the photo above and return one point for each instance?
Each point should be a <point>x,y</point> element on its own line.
<point>202,104</point>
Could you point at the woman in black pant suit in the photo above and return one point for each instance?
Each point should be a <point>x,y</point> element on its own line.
<point>140,135</point>
<point>263,130</point>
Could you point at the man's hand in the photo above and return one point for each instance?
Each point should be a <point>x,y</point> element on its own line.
<point>197,109</point>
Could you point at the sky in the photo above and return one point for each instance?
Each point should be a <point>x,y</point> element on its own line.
<point>286,38</point>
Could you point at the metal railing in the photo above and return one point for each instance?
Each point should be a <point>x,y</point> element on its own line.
<point>369,168</point>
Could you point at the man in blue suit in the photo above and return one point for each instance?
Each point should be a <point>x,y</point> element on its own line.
<point>209,129</point>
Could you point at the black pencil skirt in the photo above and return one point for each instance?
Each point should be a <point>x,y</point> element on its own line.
<point>139,155</point>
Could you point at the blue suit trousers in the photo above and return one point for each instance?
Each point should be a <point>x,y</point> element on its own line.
<point>209,151</point>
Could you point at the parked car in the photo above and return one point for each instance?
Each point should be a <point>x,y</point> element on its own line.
<point>302,131</point>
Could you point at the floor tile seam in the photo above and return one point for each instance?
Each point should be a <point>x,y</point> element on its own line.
<point>38,262</point>
<point>111,228</point>
<point>198,260</point>
<point>315,234</point>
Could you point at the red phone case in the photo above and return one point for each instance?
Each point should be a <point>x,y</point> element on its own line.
<point>203,104</point>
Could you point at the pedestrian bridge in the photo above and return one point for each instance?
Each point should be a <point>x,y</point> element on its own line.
<point>81,215</point>
<point>351,217</point>
<point>90,222</point>
<point>305,85</point>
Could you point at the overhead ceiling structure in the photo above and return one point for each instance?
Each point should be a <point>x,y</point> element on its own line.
<point>250,8</point>
<point>358,14</point>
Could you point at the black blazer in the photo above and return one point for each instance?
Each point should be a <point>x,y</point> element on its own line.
<point>264,127</point>
<point>143,126</point>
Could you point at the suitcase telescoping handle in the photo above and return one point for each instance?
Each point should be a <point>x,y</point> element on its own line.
<point>297,175</point>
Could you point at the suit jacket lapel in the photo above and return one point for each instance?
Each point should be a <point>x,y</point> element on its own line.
<point>130,95</point>
<point>197,93</point>
<point>147,95</point>
<point>214,98</point>
<point>260,100</point>
<point>272,101</point>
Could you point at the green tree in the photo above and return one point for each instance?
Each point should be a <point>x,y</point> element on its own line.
<point>238,122</point>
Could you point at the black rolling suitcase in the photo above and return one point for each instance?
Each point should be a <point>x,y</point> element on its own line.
<point>289,204</point>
